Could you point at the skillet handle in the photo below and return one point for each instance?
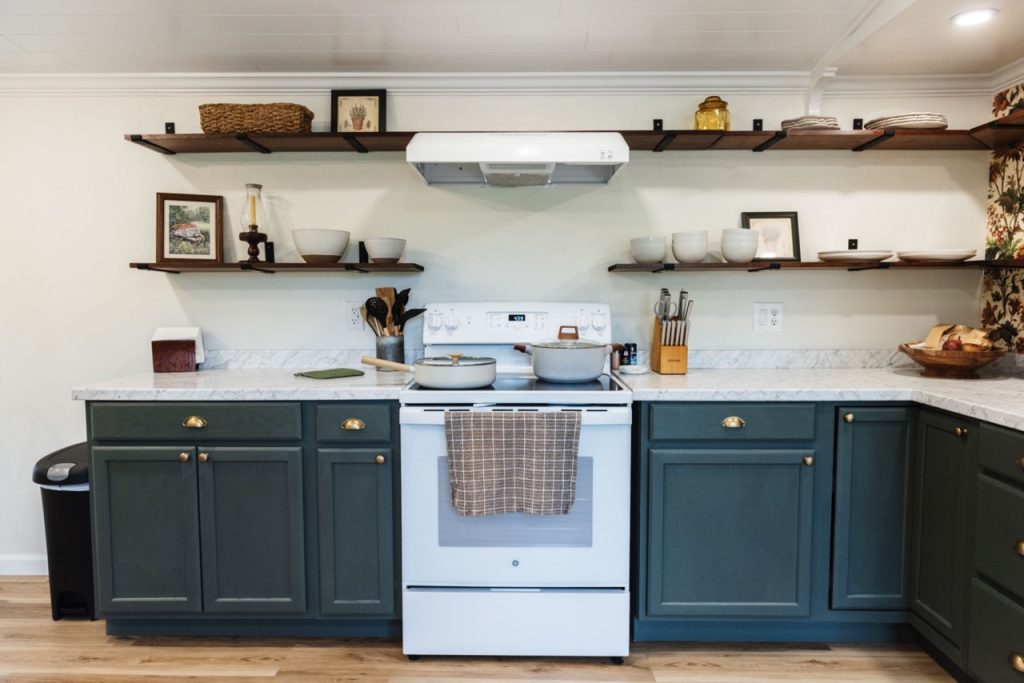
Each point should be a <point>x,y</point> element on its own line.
<point>389,364</point>
<point>521,348</point>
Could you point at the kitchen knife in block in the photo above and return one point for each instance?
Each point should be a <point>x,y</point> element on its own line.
<point>665,359</point>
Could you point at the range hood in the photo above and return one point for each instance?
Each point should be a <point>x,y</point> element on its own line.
<point>517,159</point>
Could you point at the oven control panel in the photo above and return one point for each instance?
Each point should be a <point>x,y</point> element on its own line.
<point>513,322</point>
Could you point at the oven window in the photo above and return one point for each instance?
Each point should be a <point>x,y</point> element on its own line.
<point>518,530</point>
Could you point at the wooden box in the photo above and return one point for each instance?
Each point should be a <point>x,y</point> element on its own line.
<point>667,360</point>
<point>178,355</point>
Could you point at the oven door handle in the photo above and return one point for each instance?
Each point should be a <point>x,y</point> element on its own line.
<point>596,415</point>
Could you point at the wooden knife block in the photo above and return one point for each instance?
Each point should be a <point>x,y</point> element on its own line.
<point>667,360</point>
<point>174,356</point>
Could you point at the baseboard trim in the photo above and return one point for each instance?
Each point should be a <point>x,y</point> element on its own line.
<point>23,565</point>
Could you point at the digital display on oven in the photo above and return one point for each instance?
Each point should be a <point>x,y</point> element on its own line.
<point>517,317</point>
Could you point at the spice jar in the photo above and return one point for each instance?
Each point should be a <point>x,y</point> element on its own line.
<point>712,114</point>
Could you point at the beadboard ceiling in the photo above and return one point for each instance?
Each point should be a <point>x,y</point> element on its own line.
<point>859,37</point>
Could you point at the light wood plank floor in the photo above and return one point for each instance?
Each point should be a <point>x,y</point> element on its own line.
<point>35,648</point>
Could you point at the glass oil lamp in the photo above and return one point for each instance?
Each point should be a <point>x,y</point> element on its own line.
<point>253,216</point>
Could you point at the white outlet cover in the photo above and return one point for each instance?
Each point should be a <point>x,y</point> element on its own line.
<point>768,316</point>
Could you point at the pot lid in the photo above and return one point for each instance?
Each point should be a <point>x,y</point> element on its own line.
<point>455,360</point>
<point>568,344</point>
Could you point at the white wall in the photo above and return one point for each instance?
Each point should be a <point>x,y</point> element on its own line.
<point>78,205</point>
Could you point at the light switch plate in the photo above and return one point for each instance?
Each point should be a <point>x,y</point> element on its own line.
<point>768,317</point>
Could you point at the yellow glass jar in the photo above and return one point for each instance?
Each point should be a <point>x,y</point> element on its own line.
<point>712,114</point>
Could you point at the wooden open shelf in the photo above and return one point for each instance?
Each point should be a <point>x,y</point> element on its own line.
<point>758,266</point>
<point>261,267</point>
<point>1000,132</point>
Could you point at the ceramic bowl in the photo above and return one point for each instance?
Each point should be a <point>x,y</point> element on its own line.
<point>734,252</point>
<point>384,249</point>
<point>692,251</point>
<point>320,246</point>
<point>647,249</point>
<point>690,236</point>
<point>741,233</point>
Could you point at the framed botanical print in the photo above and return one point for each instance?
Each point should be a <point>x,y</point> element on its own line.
<point>358,111</point>
<point>189,227</point>
<point>778,237</point>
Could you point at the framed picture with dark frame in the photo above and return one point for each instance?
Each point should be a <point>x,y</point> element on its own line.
<point>359,111</point>
<point>778,236</point>
<point>189,228</point>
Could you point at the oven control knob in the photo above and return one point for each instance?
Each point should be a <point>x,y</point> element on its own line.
<point>515,563</point>
<point>599,321</point>
<point>450,321</point>
<point>584,321</point>
<point>434,321</point>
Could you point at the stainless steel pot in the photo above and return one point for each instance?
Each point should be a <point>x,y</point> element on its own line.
<point>454,372</point>
<point>568,358</point>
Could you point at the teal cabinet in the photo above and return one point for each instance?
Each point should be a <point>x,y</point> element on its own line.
<point>945,459</point>
<point>869,551</point>
<point>730,532</point>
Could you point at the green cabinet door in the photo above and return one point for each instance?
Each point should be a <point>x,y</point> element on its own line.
<point>146,529</point>
<point>945,449</point>
<point>356,531</point>
<point>730,532</point>
<point>869,552</point>
<point>250,506</point>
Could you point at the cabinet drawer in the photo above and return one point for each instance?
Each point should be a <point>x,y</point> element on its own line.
<point>350,422</point>
<point>997,636</point>
<point>760,421</point>
<point>219,421</point>
<point>1002,451</point>
<point>999,534</point>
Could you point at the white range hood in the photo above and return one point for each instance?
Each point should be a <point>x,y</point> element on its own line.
<point>517,159</point>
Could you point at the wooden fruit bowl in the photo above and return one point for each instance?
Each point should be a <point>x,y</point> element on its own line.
<point>950,364</point>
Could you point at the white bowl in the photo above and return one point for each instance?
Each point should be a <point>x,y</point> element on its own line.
<point>739,253</point>
<point>726,232</point>
<point>384,249</point>
<point>690,236</point>
<point>320,246</point>
<point>647,249</point>
<point>690,252</point>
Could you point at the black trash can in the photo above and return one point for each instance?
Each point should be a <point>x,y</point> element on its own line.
<point>64,478</point>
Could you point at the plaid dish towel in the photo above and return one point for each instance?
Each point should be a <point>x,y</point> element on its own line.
<point>512,462</point>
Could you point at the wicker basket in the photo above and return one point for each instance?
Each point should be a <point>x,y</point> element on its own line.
<point>279,117</point>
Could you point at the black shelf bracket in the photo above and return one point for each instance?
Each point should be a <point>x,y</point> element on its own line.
<point>886,134</point>
<point>665,142</point>
<point>140,140</point>
<point>773,140</point>
<point>245,139</point>
<point>256,267</point>
<point>354,141</point>
<point>766,266</point>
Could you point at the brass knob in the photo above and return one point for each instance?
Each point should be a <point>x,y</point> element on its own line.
<point>734,422</point>
<point>1017,662</point>
<point>380,459</point>
<point>960,432</point>
<point>203,457</point>
<point>183,457</point>
<point>1019,547</point>
<point>193,422</point>
<point>808,460</point>
<point>848,417</point>
<point>353,424</point>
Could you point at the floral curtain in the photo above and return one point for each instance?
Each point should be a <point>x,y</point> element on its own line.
<point>1003,288</point>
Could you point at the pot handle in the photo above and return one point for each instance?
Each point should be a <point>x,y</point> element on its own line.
<point>390,364</point>
<point>568,332</point>
<point>522,348</point>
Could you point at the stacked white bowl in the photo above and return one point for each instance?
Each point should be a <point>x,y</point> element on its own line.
<point>647,250</point>
<point>739,245</point>
<point>690,246</point>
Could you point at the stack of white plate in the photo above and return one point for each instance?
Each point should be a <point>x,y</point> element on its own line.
<point>915,119</point>
<point>811,122</point>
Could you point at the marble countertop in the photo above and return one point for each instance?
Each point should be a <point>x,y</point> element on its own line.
<point>994,398</point>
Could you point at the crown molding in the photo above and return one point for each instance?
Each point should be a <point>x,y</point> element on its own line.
<point>596,83</point>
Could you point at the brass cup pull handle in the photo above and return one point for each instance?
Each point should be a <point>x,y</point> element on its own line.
<point>183,457</point>
<point>808,460</point>
<point>203,457</point>
<point>380,460</point>
<point>353,424</point>
<point>734,422</point>
<point>193,422</point>
<point>1018,547</point>
<point>960,432</point>
<point>849,417</point>
<point>1017,662</point>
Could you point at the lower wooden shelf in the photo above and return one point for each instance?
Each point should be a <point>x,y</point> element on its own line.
<point>758,266</point>
<point>261,267</point>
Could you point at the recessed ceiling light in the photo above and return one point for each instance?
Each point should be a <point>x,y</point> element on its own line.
<point>973,17</point>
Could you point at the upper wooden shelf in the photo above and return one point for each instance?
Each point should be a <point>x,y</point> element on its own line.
<point>1004,131</point>
<point>757,266</point>
<point>263,267</point>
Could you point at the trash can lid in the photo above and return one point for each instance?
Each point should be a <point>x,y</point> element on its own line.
<point>69,465</point>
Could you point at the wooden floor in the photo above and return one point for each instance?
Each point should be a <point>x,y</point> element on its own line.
<point>35,648</point>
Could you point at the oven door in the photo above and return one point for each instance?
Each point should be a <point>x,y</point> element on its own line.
<point>589,547</point>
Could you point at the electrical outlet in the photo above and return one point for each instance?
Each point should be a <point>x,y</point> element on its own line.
<point>768,317</point>
<point>353,318</point>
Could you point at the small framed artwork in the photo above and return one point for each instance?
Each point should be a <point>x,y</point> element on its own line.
<point>778,237</point>
<point>189,227</point>
<point>358,111</point>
